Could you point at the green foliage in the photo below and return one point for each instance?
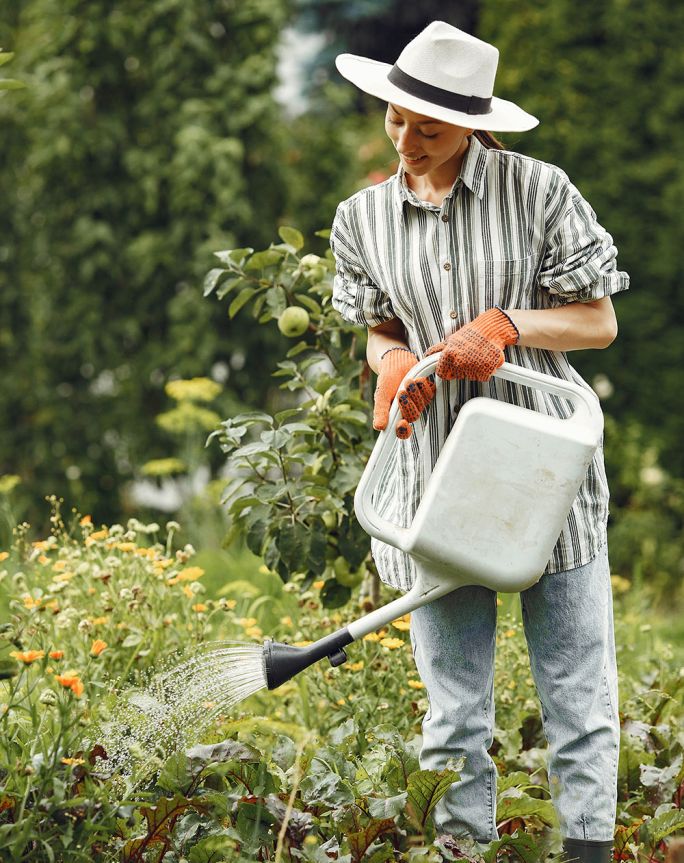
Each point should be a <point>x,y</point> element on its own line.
<point>146,137</point>
<point>9,83</point>
<point>610,107</point>
<point>293,475</point>
<point>325,767</point>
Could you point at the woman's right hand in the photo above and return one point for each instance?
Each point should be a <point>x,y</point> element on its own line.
<point>413,399</point>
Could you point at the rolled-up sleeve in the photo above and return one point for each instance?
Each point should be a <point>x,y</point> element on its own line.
<point>355,296</point>
<point>580,259</point>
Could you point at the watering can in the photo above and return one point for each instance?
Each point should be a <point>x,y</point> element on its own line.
<point>491,511</point>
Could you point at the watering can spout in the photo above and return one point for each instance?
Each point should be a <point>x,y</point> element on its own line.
<point>282,661</point>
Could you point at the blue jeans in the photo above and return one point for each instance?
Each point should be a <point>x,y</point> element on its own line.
<point>568,622</point>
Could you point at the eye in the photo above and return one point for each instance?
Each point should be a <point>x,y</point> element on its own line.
<point>429,136</point>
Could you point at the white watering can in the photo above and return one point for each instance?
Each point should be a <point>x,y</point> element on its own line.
<point>492,509</point>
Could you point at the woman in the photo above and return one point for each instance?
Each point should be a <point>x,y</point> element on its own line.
<point>473,251</point>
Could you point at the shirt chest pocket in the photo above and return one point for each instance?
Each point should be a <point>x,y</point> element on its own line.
<point>505,283</point>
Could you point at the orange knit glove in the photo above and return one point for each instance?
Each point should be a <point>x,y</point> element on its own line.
<point>394,365</point>
<point>476,350</point>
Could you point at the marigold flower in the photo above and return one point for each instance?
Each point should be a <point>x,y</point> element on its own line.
<point>254,632</point>
<point>286,621</point>
<point>96,536</point>
<point>231,603</point>
<point>416,684</point>
<point>99,621</point>
<point>97,647</point>
<point>63,576</point>
<point>56,654</point>
<point>71,680</point>
<point>28,656</point>
<point>392,643</point>
<point>318,584</point>
<point>401,625</point>
<point>187,590</point>
<point>355,666</point>
<point>246,622</point>
<point>30,602</point>
<point>53,605</point>
<point>126,546</point>
<point>199,607</point>
<point>372,636</point>
<point>190,573</point>
<point>87,519</point>
<point>41,544</point>
<point>4,555</point>
<point>43,559</point>
<point>59,565</point>
<point>72,761</point>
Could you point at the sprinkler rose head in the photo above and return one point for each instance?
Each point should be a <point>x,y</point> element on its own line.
<point>282,661</point>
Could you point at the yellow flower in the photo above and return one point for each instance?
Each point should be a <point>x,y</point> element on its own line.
<point>99,621</point>
<point>187,590</point>
<point>91,591</point>
<point>53,605</point>
<point>620,584</point>
<point>231,603</point>
<point>190,573</point>
<point>149,553</point>
<point>416,684</point>
<point>43,559</point>
<point>341,701</point>
<point>87,519</point>
<point>355,666</point>
<point>509,633</point>
<point>71,680</point>
<point>511,685</point>
<point>72,761</point>
<point>318,584</point>
<point>194,390</point>
<point>126,546</point>
<point>4,555</point>
<point>56,654</point>
<point>41,544</point>
<point>372,636</point>
<point>253,632</point>
<point>59,565</point>
<point>30,602</point>
<point>286,621</point>
<point>246,622</point>
<point>199,607</point>
<point>392,643</point>
<point>401,625</point>
<point>97,647</point>
<point>28,657</point>
<point>63,576</point>
<point>96,536</point>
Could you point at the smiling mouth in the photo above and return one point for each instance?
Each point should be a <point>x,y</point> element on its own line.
<point>413,161</point>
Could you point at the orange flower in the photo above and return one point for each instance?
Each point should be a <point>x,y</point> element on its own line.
<point>30,602</point>
<point>99,621</point>
<point>71,680</point>
<point>56,654</point>
<point>43,559</point>
<point>87,519</point>
<point>198,607</point>
<point>190,573</point>
<point>94,537</point>
<point>126,546</point>
<point>4,555</point>
<point>28,657</point>
<point>416,684</point>
<point>97,647</point>
<point>72,761</point>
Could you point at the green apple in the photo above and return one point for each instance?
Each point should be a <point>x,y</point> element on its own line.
<point>329,519</point>
<point>293,322</point>
<point>344,575</point>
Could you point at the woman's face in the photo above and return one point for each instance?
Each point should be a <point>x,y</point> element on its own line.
<point>423,143</point>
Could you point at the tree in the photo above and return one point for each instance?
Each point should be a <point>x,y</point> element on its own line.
<point>147,137</point>
<point>605,82</point>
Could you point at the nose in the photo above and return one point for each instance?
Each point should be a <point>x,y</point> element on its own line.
<point>406,142</point>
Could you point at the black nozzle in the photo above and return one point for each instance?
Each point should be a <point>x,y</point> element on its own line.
<point>283,661</point>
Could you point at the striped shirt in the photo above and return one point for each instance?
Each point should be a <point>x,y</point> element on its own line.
<point>514,232</point>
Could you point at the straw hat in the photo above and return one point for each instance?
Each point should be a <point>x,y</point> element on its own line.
<point>443,73</point>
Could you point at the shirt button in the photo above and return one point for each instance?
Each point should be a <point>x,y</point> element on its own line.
<point>445,218</point>
<point>447,266</point>
<point>453,314</point>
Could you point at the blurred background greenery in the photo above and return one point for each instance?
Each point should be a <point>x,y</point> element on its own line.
<point>150,135</point>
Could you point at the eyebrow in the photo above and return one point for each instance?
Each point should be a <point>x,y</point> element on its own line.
<point>420,122</point>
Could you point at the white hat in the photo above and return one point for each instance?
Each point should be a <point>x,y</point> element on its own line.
<point>443,73</point>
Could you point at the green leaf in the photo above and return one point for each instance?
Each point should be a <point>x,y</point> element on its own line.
<point>334,594</point>
<point>11,84</point>
<point>521,805</point>
<point>426,788</point>
<point>522,844</point>
<point>267,258</point>
<point>5,57</point>
<point>361,841</point>
<point>212,849</point>
<point>211,280</point>
<point>243,297</point>
<point>234,256</point>
<point>325,233</point>
<point>292,237</point>
<point>664,824</point>
<point>387,807</point>
<point>309,303</point>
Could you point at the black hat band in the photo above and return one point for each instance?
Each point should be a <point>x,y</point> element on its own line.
<point>438,96</point>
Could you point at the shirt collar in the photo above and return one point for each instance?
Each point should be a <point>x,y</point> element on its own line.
<point>473,173</point>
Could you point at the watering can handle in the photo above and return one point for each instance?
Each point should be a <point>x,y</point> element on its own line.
<point>586,409</point>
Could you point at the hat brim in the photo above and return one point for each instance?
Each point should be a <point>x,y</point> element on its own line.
<point>371,77</point>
